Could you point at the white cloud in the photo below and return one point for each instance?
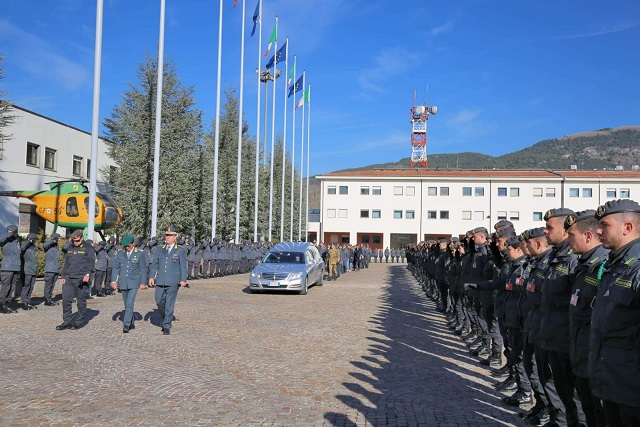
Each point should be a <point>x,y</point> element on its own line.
<point>447,27</point>
<point>40,59</point>
<point>603,30</point>
<point>389,63</point>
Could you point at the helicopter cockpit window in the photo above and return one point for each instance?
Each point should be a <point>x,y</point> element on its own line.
<point>86,206</point>
<point>72,207</point>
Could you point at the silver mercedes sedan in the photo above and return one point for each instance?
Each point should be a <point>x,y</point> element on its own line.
<point>288,267</point>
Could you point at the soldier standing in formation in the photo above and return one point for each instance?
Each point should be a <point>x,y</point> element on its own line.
<point>51,268</point>
<point>29,270</point>
<point>10,267</point>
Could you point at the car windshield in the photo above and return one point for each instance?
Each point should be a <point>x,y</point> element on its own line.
<point>284,258</point>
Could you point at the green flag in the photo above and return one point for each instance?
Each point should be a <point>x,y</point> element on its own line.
<point>272,40</point>
<point>304,99</point>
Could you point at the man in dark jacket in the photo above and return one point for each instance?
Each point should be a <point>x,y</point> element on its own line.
<point>51,268</point>
<point>30,254</point>
<point>79,265</point>
<point>101,268</point>
<point>10,267</point>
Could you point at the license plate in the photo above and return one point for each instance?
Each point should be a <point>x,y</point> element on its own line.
<point>274,284</point>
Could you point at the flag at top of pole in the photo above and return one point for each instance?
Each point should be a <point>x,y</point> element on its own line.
<point>292,74</point>
<point>256,16</point>
<point>280,56</point>
<point>272,40</point>
<point>295,88</point>
<point>304,99</point>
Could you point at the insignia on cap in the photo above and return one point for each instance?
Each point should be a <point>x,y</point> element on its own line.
<point>600,212</point>
<point>548,214</point>
<point>570,220</point>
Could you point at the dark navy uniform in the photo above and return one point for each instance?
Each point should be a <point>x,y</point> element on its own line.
<point>10,267</point>
<point>79,265</point>
<point>29,270</point>
<point>51,267</point>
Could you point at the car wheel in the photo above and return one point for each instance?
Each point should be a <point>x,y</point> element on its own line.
<point>305,286</point>
<point>254,291</point>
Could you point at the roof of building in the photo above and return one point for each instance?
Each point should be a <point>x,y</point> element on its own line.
<point>481,173</point>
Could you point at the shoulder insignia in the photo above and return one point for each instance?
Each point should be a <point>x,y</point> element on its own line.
<point>629,261</point>
<point>591,280</point>
<point>135,250</point>
<point>623,283</point>
<point>562,269</point>
<point>594,260</point>
<point>545,261</point>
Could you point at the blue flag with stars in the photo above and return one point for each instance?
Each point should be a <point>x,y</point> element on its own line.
<point>280,56</point>
<point>297,87</point>
<point>256,15</point>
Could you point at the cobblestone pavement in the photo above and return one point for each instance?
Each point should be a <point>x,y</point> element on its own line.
<point>366,350</point>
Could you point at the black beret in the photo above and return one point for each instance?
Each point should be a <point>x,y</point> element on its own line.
<point>12,228</point>
<point>513,241</point>
<point>578,216</point>
<point>505,231</point>
<point>480,230</point>
<point>455,239</point>
<point>442,240</point>
<point>32,236</point>
<point>617,206</point>
<point>536,232</point>
<point>502,223</point>
<point>552,213</point>
<point>55,236</point>
<point>77,233</point>
<point>524,235</point>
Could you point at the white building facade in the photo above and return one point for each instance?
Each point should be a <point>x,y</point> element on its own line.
<point>42,150</point>
<point>391,208</point>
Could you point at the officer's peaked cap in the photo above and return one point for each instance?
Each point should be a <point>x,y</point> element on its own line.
<point>171,231</point>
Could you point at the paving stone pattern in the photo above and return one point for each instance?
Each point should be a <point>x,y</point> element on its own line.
<point>366,350</point>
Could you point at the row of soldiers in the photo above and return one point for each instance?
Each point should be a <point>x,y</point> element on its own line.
<point>560,302</point>
<point>18,268</point>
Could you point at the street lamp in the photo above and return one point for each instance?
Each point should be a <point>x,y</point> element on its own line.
<point>265,77</point>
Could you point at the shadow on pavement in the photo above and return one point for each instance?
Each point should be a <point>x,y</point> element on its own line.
<point>416,372</point>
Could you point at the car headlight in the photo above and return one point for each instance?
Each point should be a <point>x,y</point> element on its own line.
<point>254,274</point>
<point>294,276</point>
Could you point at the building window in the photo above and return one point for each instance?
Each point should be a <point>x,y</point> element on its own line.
<point>50,159</point>
<point>537,192</point>
<point>72,207</point>
<point>411,191</point>
<point>537,216</point>
<point>466,191</point>
<point>432,191</point>
<point>444,191</point>
<point>514,215</point>
<point>432,214</point>
<point>88,168</point>
<point>587,192</point>
<point>375,213</point>
<point>550,192</point>
<point>364,191</point>
<point>397,214</point>
<point>376,191</point>
<point>364,213</point>
<point>397,190</point>
<point>444,214</point>
<point>625,193</point>
<point>611,192</point>
<point>331,189</point>
<point>502,191</point>
<point>466,215</point>
<point>411,215</point>
<point>331,213</point>
<point>342,213</point>
<point>479,191</point>
<point>574,192</point>
<point>33,154</point>
<point>514,192</point>
<point>478,215</point>
<point>502,215</point>
<point>365,239</point>
<point>344,189</point>
<point>77,166</point>
<point>377,238</point>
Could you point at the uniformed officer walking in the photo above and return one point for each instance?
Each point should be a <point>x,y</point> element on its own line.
<point>129,274</point>
<point>51,268</point>
<point>79,264</point>
<point>10,267</point>
<point>168,272</point>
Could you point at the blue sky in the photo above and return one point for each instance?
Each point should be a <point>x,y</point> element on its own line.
<point>503,74</point>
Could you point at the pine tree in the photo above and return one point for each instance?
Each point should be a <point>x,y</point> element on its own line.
<point>132,128</point>
<point>5,113</point>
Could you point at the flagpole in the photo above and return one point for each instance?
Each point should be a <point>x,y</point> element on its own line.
<point>214,212</point>
<point>284,142</point>
<point>95,119</point>
<point>156,150</point>
<point>239,173</point>
<point>293,147</point>
<point>304,75</point>
<point>255,207</point>
<point>273,132</point>
<point>306,213</point>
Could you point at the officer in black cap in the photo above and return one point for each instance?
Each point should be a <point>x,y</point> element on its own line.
<point>583,238</point>
<point>554,307</point>
<point>51,267</point>
<point>79,265</point>
<point>10,267</point>
<point>29,252</point>
<point>614,358</point>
